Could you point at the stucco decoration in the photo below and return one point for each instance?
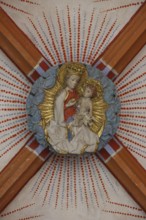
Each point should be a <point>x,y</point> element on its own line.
<point>48,80</point>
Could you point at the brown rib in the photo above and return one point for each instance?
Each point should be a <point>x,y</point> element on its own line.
<point>17,45</point>
<point>130,174</point>
<point>127,43</point>
<point>27,166</point>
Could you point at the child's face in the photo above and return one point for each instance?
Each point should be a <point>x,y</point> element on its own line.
<point>72,81</point>
<point>88,92</point>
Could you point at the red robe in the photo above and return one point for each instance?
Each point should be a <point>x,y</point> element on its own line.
<point>70,111</point>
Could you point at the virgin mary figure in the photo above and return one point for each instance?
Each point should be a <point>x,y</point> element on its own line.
<point>64,137</point>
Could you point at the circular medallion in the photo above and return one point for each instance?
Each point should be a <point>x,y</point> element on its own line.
<point>73,109</point>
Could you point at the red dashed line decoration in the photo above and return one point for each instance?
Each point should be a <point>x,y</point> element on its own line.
<point>68,39</point>
<point>11,84</point>
<point>133,94</point>
<point>132,108</point>
<point>31,217</point>
<point>9,74</point>
<point>133,124</point>
<point>132,132</point>
<point>75,182</point>
<point>98,1</point>
<point>12,101</point>
<point>132,90</point>
<point>14,8</point>
<point>123,6</point>
<point>52,190</point>
<point>12,109</point>
<point>96,38</point>
<point>27,135</point>
<point>132,116</point>
<point>100,178</point>
<point>70,33</point>
<point>12,93</point>
<point>88,35</point>
<point>13,119</point>
<point>137,153</point>
<point>59,183</point>
<point>42,40</point>
<point>45,172</point>
<point>52,38</point>
<point>50,182</point>
<point>84,183</point>
<point>123,78</point>
<point>61,35</point>
<point>125,214</point>
<point>17,210</point>
<point>92,181</point>
<point>127,84</point>
<point>67,188</point>
<point>104,39</point>
<point>78,33</point>
<point>129,140</point>
<point>14,126</point>
<point>12,136</point>
<point>23,211</point>
<point>124,205</point>
<point>133,100</point>
<point>29,2</point>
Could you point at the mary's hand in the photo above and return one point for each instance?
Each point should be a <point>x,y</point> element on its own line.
<point>71,103</point>
<point>62,124</point>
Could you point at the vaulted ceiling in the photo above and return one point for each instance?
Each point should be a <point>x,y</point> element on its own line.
<point>80,188</point>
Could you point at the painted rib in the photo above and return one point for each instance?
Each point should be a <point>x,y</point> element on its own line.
<point>20,169</point>
<point>125,46</point>
<point>20,49</point>
<point>126,169</point>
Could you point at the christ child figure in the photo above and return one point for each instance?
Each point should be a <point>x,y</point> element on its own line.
<point>84,107</point>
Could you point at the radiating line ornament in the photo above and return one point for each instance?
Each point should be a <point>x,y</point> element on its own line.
<point>88,191</point>
<point>73,109</point>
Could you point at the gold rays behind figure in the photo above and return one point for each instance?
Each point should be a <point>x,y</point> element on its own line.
<point>72,110</point>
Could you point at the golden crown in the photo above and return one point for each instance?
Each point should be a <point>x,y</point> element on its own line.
<point>71,68</point>
<point>77,67</point>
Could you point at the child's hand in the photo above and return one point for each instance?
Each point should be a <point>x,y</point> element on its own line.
<point>71,103</point>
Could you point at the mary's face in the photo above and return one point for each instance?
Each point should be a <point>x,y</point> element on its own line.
<point>72,81</point>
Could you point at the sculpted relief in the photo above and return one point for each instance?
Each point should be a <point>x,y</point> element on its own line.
<point>71,109</point>
<point>74,126</point>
